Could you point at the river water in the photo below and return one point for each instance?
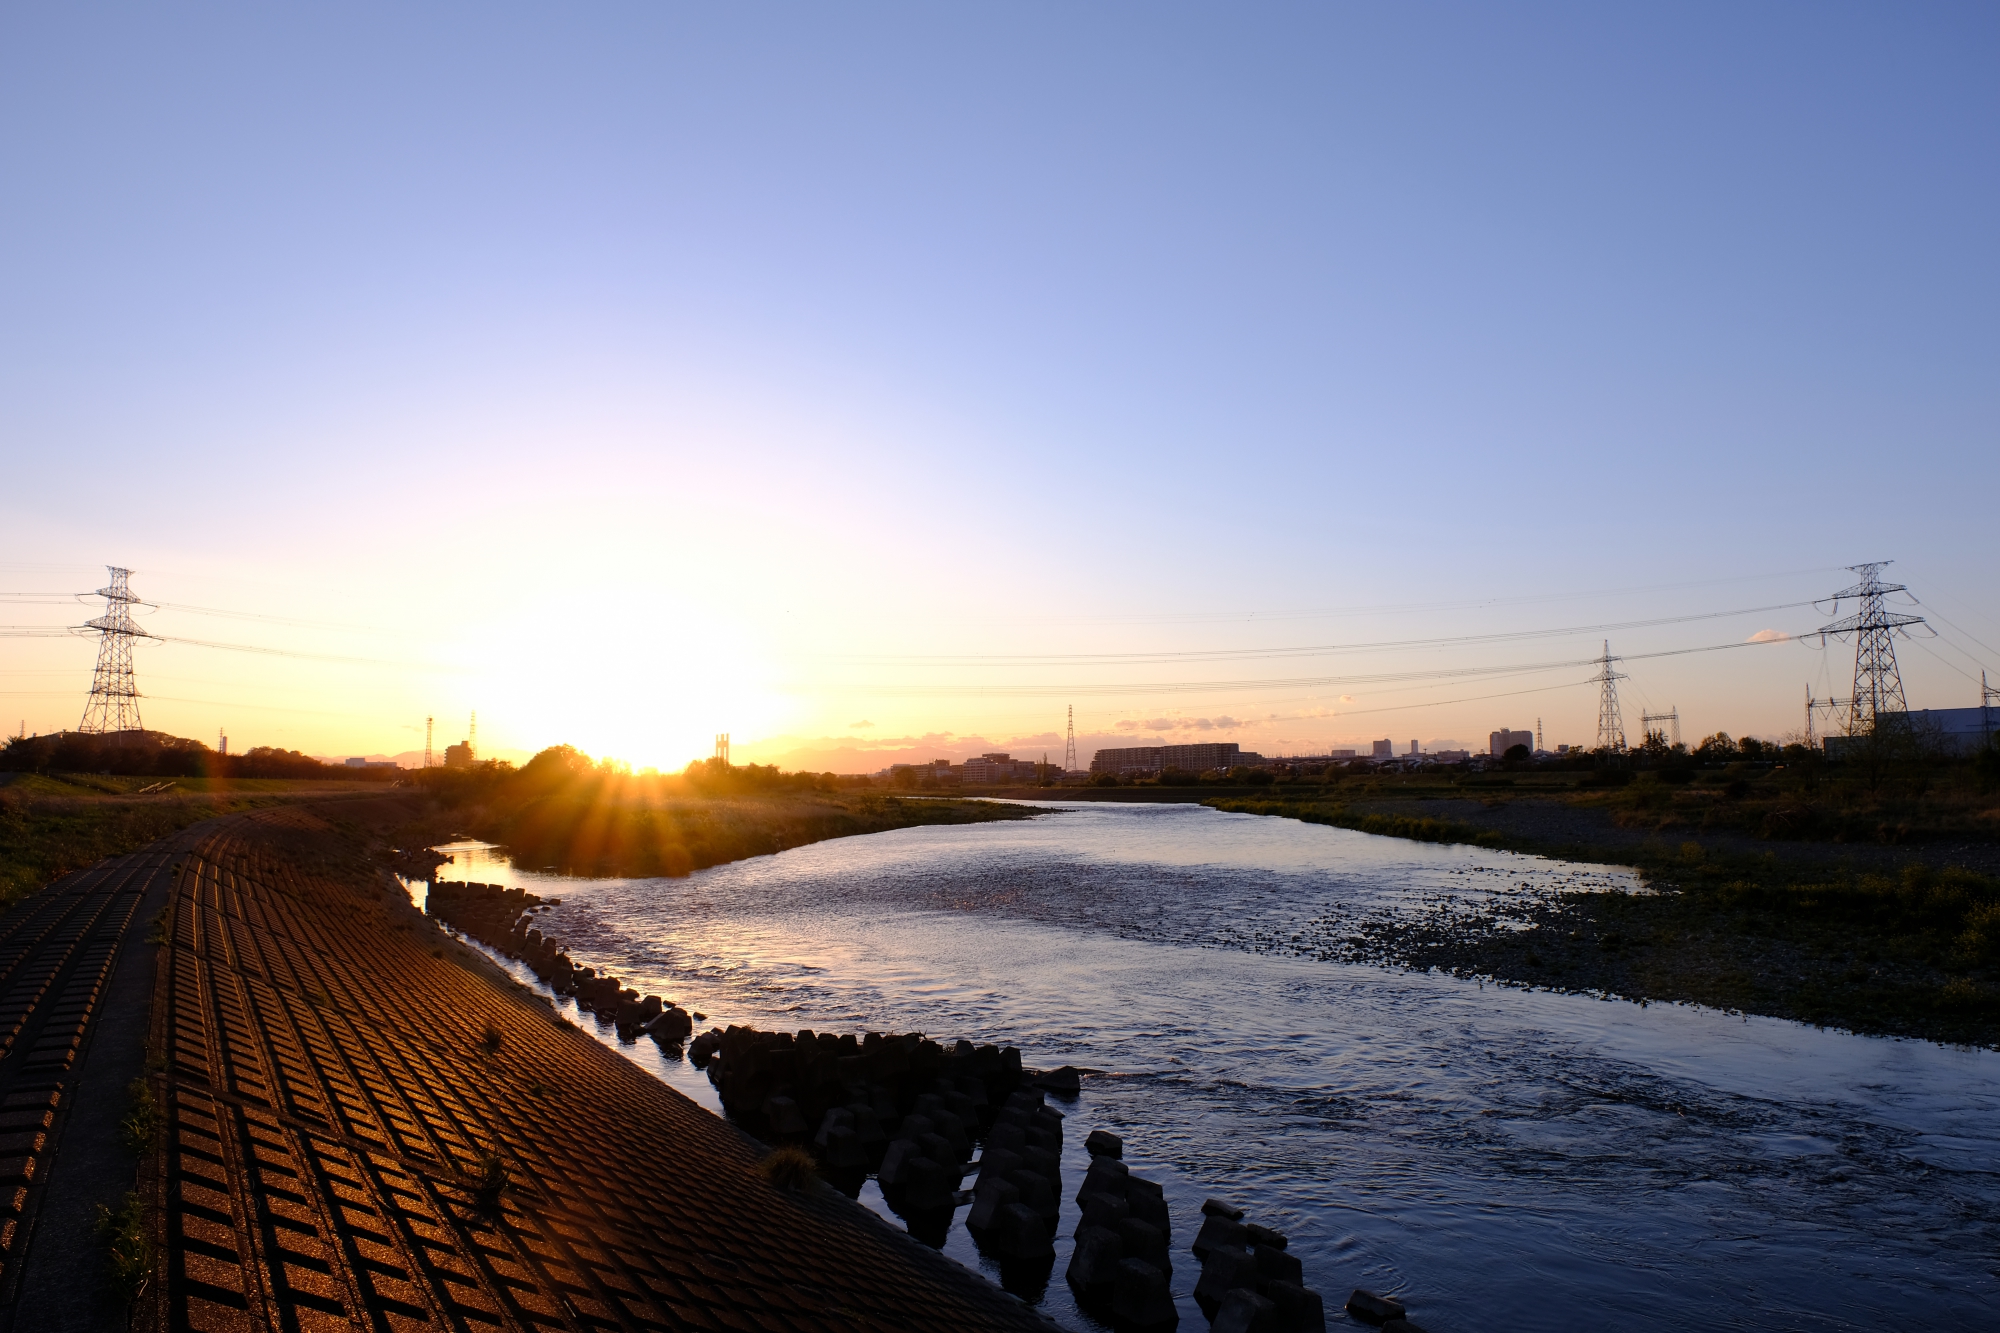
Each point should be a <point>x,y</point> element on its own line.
<point>1497,1158</point>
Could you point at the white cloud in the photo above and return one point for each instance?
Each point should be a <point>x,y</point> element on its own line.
<point>1769,636</point>
<point>863,724</point>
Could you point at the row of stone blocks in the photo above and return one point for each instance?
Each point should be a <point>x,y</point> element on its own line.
<point>498,918</point>
<point>861,1093</point>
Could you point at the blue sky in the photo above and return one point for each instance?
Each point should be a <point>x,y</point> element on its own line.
<point>640,372</point>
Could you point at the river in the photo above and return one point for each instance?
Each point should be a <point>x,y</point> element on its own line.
<point>1496,1157</point>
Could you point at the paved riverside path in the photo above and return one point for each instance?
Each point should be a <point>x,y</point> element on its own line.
<point>336,1073</point>
<point>73,989</point>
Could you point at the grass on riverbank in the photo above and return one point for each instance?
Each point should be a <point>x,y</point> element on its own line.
<point>49,828</point>
<point>1912,951</point>
<point>566,813</point>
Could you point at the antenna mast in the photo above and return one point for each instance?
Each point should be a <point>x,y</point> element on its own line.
<point>1610,721</point>
<point>113,705</point>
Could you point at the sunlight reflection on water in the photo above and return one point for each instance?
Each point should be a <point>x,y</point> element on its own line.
<point>1497,1157</point>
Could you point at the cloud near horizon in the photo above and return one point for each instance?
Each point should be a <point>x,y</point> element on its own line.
<point>862,725</point>
<point>1769,636</point>
<point>1222,723</point>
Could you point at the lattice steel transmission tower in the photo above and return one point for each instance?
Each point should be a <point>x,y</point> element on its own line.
<point>1069,745</point>
<point>1878,683</point>
<point>1672,715</point>
<point>430,725</point>
<point>1610,720</point>
<point>472,738</point>
<point>113,705</point>
<point>722,748</point>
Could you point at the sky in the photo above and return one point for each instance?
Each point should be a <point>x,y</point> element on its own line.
<point>876,382</point>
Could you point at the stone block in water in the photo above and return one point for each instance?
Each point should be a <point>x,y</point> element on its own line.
<point>1219,1233</point>
<point>841,1148</point>
<point>1400,1326</point>
<point>1223,1272</point>
<point>993,1193</point>
<point>900,1153</point>
<point>998,1161</point>
<point>1140,1297</point>
<point>1103,1143</point>
<point>1244,1311</point>
<point>1101,1209</point>
<point>1300,1309</point>
<point>784,1118</point>
<point>1093,1265</point>
<point>1045,1161</point>
<point>1149,1203</point>
<point>1217,1208</point>
<point>1276,1265</point>
<point>1037,1194</point>
<point>1064,1082</point>
<point>1018,1233</point>
<point>1007,1134</point>
<point>928,1184</point>
<point>1371,1308</point>
<point>1145,1241</point>
<point>1268,1238</point>
<point>1106,1174</point>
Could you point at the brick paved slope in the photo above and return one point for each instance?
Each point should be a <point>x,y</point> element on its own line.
<point>329,1095</point>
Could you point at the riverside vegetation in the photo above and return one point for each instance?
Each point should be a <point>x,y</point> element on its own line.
<point>1858,895</point>
<point>567,813</point>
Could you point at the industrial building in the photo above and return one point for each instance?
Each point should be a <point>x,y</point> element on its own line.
<point>1187,758</point>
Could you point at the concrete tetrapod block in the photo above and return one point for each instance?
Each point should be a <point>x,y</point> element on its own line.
<point>900,1153</point>
<point>841,1147</point>
<point>1300,1310</point>
<point>1140,1296</point>
<point>1276,1265</point>
<point>1244,1311</point>
<point>929,1184</point>
<point>1149,1204</point>
<point>1019,1233</point>
<point>998,1161</point>
<point>1045,1161</point>
<point>1093,1265</point>
<point>1009,1135</point>
<point>1064,1082</point>
<point>1106,1174</point>
<point>783,1116</point>
<point>1102,1210</point>
<point>1370,1308</point>
<point>1401,1326</point>
<point>993,1193</point>
<point>1103,1143</point>
<point>1217,1208</point>
<point>1142,1240</point>
<point>1036,1195</point>
<point>1268,1238</point>
<point>1221,1273</point>
<point>1219,1232</point>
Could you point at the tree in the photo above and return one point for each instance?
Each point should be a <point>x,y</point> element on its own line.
<point>1716,749</point>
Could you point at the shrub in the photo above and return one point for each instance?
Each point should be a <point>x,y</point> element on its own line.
<point>789,1168</point>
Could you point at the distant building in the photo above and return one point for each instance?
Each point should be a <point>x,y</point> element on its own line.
<point>359,762</point>
<point>458,756</point>
<point>1502,741</point>
<point>1188,758</point>
<point>995,769</point>
<point>1384,750</point>
<point>1415,749</point>
<point>1452,756</point>
<point>1340,754</point>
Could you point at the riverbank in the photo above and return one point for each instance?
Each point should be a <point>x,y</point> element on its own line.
<point>423,1138</point>
<point>52,825</point>
<point>1875,939</point>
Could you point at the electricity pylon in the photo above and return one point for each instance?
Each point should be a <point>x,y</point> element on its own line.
<point>1878,683</point>
<point>1069,747</point>
<point>113,705</point>
<point>1610,720</point>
